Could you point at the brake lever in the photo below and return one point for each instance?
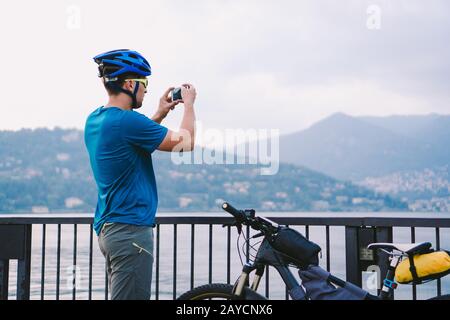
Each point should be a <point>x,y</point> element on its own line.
<point>236,224</point>
<point>257,235</point>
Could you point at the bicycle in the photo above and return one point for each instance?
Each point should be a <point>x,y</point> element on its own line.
<point>268,255</point>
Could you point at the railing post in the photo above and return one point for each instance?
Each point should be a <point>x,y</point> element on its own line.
<point>352,256</point>
<point>24,266</point>
<point>4,277</point>
<point>360,259</point>
<point>15,243</point>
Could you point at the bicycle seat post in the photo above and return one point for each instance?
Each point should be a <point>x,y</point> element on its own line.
<point>389,284</point>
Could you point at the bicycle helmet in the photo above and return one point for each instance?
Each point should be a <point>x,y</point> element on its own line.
<point>115,63</point>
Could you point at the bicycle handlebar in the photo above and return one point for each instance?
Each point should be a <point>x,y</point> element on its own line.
<point>247,217</point>
<point>237,214</point>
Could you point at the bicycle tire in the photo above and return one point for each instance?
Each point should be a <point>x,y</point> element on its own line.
<point>443,297</point>
<point>219,290</point>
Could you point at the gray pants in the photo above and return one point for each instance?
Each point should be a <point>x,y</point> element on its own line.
<point>128,250</point>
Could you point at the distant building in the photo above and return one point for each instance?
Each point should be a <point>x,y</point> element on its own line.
<point>73,202</point>
<point>183,202</point>
<point>268,205</point>
<point>281,195</point>
<point>198,201</point>
<point>358,200</point>
<point>40,209</point>
<point>320,205</point>
<point>341,199</point>
<point>62,156</point>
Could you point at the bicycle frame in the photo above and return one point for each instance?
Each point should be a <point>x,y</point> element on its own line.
<point>267,256</point>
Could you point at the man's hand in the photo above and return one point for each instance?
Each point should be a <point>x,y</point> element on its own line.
<point>165,105</point>
<point>188,94</point>
<point>184,139</point>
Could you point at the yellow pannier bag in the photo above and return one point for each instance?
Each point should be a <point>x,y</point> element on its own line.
<point>428,266</point>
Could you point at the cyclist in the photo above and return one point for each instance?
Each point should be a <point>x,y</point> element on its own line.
<point>120,142</point>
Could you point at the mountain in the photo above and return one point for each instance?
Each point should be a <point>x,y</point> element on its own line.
<point>431,128</point>
<point>354,148</point>
<point>48,170</point>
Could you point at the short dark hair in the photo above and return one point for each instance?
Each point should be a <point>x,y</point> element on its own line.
<point>113,87</point>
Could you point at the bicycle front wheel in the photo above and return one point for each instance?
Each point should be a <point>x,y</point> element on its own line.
<point>220,291</point>
<point>443,297</point>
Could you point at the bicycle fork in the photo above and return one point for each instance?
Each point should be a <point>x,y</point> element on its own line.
<point>244,278</point>
<point>295,290</point>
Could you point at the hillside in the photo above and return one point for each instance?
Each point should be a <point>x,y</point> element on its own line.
<point>353,148</point>
<point>48,170</point>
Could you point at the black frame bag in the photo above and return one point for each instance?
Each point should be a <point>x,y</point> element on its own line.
<point>295,248</point>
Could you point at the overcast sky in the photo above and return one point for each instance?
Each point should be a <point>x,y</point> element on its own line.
<point>256,64</point>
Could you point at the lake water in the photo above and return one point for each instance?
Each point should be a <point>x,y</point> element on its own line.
<point>219,256</point>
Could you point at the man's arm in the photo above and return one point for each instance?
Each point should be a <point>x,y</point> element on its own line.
<point>157,118</point>
<point>184,139</point>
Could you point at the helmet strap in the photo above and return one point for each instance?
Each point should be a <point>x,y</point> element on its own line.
<point>136,88</point>
<point>132,96</point>
<point>128,92</point>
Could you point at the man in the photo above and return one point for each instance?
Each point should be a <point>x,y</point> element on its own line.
<point>120,142</point>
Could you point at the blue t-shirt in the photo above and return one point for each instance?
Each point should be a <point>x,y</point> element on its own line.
<point>120,144</point>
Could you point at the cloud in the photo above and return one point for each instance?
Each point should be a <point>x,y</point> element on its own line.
<point>256,64</point>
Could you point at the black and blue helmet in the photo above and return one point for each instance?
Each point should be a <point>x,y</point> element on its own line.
<point>122,61</point>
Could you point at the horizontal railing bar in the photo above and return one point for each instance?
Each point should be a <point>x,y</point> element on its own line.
<point>319,220</point>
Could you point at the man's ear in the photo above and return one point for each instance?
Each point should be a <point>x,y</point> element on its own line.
<point>128,85</point>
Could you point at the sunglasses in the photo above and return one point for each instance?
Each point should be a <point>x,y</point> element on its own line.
<point>143,81</point>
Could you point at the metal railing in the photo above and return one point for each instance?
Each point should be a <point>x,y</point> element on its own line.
<point>27,239</point>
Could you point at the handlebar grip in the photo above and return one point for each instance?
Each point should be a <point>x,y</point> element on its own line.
<point>233,211</point>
